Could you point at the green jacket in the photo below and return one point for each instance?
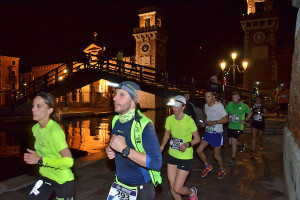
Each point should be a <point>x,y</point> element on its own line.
<point>137,128</point>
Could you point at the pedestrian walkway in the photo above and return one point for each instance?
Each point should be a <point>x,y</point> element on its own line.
<point>259,178</point>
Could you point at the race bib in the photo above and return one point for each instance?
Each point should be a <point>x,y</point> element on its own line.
<point>120,192</point>
<point>211,129</point>
<point>283,96</point>
<point>175,143</point>
<point>257,117</point>
<point>234,118</point>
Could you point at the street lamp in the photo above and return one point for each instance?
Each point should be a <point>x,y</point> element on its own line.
<point>234,66</point>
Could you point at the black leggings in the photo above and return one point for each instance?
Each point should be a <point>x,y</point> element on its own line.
<point>44,187</point>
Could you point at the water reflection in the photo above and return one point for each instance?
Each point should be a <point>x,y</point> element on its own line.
<point>8,146</point>
<point>90,135</point>
<point>85,136</point>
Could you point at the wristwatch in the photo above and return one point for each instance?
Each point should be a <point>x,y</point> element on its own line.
<point>40,162</point>
<point>190,144</point>
<point>126,152</point>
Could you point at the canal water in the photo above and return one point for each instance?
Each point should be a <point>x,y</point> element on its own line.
<point>86,137</point>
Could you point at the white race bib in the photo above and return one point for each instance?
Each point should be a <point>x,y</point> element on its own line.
<point>211,129</point>
<point>257,117</point>
<point>234,118</point>
<point>175,143</point>
<point>120,192</point>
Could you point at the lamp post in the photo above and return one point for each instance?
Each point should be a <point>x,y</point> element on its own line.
<point>234,66</point>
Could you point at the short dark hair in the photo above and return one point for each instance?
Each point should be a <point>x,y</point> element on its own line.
<point>260,96</point>
<point>209,90</point>
<point>235,93</point>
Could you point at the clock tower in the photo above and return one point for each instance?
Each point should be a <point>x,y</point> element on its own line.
<point>150,39</point>
<point>260,25</point>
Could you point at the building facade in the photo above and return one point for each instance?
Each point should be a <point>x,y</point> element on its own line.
<point>260,46</point>
<point>9,76</point>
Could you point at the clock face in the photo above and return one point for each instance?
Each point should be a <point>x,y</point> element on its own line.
<point>259,37</point>
<point>145,48</point>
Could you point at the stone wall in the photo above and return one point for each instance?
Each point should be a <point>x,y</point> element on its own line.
<point>291,145</point>
<point>294,104</point>
<point>291,165</point>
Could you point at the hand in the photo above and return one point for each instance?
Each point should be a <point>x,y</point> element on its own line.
<point>117,143</point>
<point>243,122</point>
<point>110,153</point>
<point>211,123</point>
<point>229,120</point>
<point>183,147</point>
<point>31,158</point>
<point>162,148</point>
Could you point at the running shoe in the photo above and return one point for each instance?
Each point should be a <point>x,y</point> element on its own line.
<point>194,196</point>
<point>231,162</point>
<point>261,148</point>
<point>243,147</point>
<point>221,173</point>
<point>206,170</point>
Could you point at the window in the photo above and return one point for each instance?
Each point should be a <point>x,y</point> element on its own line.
<point>13,62</point>
<point>147,22</point>
<point>13,74</point>
<point>158,22</point>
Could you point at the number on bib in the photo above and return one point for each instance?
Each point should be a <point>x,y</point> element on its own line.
<point>234,118</point>
<point>211,129</point>
<point>175,143</point>
<point>119,192</point>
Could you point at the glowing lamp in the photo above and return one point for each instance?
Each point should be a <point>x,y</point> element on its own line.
<point>233,56</point>
<point>223,65</point>
<point>245,65</point>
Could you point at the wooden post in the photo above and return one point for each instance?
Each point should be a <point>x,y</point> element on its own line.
<point>166,83</point>
<point>56,75</point>
<point>141,74</point>
<point>193,89</point>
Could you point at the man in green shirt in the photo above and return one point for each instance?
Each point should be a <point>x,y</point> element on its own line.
<point>236,111</point>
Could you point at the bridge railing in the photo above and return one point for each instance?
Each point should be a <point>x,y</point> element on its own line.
<point>122,68</point>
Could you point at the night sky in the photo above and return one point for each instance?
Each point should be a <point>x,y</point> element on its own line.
<point>202,32</point>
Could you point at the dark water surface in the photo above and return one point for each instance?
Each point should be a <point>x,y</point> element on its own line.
<point>85,137</point>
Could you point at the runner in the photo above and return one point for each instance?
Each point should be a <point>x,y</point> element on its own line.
<point>236,111</point>
<point>135,148</point>
<point>182,128</point>
<point>52,152</point>
<point>259,113</point>
<point>189,107</point>
<point>283,99</point>
<point>216,116</point>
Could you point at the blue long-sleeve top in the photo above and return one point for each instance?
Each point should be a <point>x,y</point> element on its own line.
<point>128,172</point>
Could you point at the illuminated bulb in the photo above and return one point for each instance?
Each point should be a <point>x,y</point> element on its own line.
<point>233,56</point>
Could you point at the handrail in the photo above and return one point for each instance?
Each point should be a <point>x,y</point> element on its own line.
<point>142,73</point>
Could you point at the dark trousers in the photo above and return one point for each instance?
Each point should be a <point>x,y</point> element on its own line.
<point>44,187</point>
<point>146,191</point>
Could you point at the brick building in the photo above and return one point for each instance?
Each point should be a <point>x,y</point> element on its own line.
<point>9,76</point>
